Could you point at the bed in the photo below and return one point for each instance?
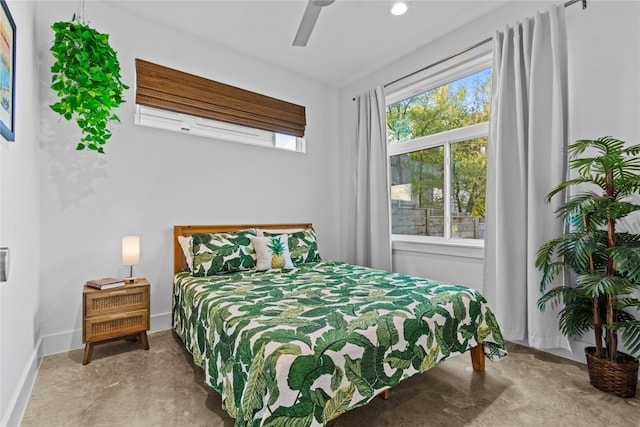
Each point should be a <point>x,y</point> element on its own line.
<point>300,346</point>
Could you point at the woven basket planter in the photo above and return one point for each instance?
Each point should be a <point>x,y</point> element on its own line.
<point>619,377</point>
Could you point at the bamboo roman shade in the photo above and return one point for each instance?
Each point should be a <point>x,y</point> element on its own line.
<point>169,89</point>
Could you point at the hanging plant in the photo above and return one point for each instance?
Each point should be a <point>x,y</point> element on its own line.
<point>86,77</point>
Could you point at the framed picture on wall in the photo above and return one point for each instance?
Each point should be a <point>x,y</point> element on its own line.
<point>7,72</point>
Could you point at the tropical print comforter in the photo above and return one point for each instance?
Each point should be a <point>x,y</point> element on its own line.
<point>298,348</point>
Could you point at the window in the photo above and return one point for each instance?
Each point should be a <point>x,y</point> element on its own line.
<point>185,123</point>
<point>437,131</point>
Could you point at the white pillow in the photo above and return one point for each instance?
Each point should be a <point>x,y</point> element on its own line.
<point>267,259</point>
<point>185,244</point>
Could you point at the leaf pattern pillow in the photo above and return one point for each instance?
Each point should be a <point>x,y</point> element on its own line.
<point>187,250</point>
<point>303,246</point>
<point>215,253</point>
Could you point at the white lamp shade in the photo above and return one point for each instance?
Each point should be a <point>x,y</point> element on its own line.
<point>130,250</point>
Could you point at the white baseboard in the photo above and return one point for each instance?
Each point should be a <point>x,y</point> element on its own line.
<point>160,322</point>
<point>20,397</point>
<point>53,344</point>
<point>72,340</point>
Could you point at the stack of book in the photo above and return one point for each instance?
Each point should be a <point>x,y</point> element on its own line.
<point>106,283</point>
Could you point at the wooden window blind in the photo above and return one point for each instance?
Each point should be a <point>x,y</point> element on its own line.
<point>165,88</point>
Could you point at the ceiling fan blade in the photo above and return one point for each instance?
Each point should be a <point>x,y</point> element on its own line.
<point>308,21</point>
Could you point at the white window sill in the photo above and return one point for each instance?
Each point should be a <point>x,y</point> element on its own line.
<point>464,248</point>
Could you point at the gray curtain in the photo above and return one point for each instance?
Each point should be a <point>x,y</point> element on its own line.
<point>372,222</point>
<point>525,160</point>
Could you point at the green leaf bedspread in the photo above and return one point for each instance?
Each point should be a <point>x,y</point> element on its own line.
<point>299,348</point>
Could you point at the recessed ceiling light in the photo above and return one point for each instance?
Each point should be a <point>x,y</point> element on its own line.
<point>399,8</point>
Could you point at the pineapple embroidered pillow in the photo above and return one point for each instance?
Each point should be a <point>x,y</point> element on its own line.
<point>302,246</point>
<point>272,252</point>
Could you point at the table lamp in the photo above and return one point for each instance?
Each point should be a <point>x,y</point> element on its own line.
<point>130,254</point>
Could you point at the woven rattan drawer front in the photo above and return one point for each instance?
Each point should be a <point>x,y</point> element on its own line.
<point>114,325</point>
<point>116,301</point>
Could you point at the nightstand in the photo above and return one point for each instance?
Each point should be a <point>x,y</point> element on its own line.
<point>114,314</point>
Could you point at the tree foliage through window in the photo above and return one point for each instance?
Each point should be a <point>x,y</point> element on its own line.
<point>455,105</point>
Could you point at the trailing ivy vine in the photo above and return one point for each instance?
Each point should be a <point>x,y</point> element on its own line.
<point>86,77</point>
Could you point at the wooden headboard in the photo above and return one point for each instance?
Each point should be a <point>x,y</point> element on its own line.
<point>187,230</point>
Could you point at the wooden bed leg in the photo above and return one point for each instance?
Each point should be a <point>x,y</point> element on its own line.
<point>477,358</point>
<point>385,394</point>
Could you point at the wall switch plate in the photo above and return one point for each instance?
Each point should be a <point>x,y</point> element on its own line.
<point>4,264</point>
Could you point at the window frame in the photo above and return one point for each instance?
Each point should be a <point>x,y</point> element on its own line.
<point>449,72</point>
<point>209,128</point>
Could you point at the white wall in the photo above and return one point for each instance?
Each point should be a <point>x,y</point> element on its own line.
<point>604,82</point>
<point>20,229</point>
<point>604,70</point>
<point>604,57</point>
<point>149,179</point>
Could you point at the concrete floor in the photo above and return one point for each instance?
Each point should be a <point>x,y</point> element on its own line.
<point>127,386</point>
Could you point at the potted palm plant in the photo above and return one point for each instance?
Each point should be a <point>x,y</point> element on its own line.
<point>604,260</point>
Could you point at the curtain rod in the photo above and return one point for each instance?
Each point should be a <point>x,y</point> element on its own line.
<point>467,49</point>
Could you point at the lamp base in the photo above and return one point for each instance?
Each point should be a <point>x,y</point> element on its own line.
<point>130,279</point>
